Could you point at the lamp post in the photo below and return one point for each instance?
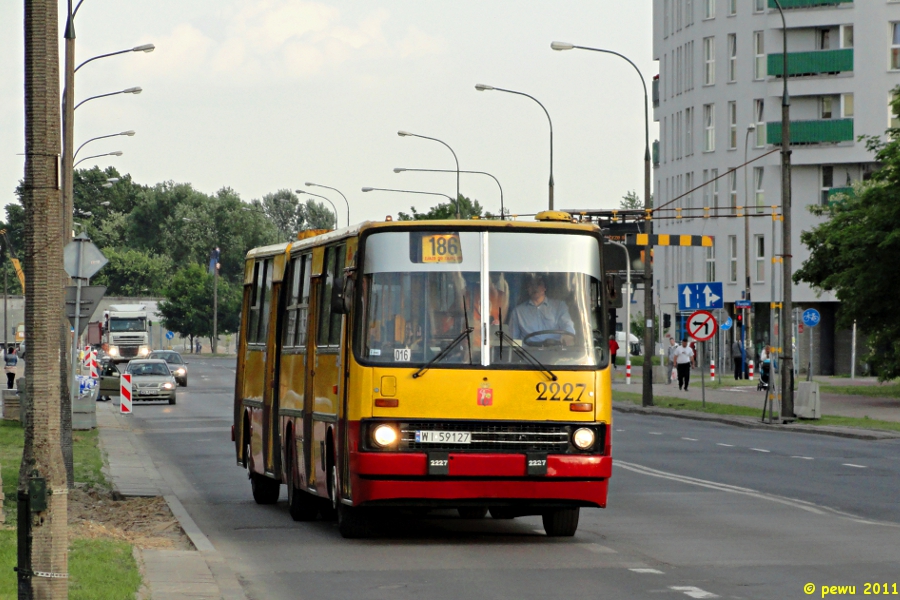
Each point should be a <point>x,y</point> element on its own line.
<point>131,90</point>
<point>489,88</point>
<point>129,133</point>
<point>408,134</point>
<point>747,329</point>
<point>116,153</point>
<point>647,399</point>
<point>502,210</point>
<point>309,184</point>
<point>333,207</point>
<point>373,189</point>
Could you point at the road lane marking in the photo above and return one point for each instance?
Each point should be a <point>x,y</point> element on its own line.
<point>693,592</point>
<point>597,548</point>
<point>183,430</point>
<point>855,466</point>
<point>760,450</point>
<point>690,439</point>
<point>726,445</point>
<point>655,433</point>
<point>804,457</point>
<point>620,430</point>
<point>650,571</point>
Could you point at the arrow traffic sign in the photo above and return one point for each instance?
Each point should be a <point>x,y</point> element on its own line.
<point>169,335</point>
<point>701,325</point>
<point>700,296</point>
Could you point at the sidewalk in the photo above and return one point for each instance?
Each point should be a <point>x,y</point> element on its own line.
<point>168,574</point>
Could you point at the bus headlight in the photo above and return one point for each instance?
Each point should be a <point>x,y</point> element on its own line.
<point>583,438</point>
<point>385,435</point>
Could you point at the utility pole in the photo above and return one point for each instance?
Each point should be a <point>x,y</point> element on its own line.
<point>42,568</point>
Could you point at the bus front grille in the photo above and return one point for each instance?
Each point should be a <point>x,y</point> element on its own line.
<point>490,436</point>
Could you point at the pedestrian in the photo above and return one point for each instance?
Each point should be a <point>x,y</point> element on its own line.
<point>199,346</point>
<point>737,359</point>
<point>11,362</point>
<point>670,359</point>
<point>684,357</point>
<point>613,350</point>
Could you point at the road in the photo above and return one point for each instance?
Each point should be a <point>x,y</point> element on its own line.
<point>697,510</point>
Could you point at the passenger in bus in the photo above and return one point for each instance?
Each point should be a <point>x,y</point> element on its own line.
<point>540,313</point>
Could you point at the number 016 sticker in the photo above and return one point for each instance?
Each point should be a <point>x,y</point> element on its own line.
<point>554,391</point>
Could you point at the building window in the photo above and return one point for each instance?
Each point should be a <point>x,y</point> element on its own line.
<point>709,127</point>
<point>759,6</point>
<point>759,116</point>
<point>826,105</point>
<point>732,187</point>
<point>732,125</point>
<point>895,45</point>
<point>709,60</point>
<point>666,18</point>
<point>759,55</point>
<point>709,9</point>
<point>732,259</point>
<point>711,262</point>
<point>827,182</point>
<point>893,116</point>
<point>714,175</point>
<point>688,12</point>
<point>760,249</point>
<point>678,19</point>
<point>689,52</point>
<point>758,173</point>
<point>824,39</point>
<point>732,8</point>
<point>847,106</point>
<point>689,195</point>
<point>706,190</point>
<point>846,36</point>
<point>689,131</point>
<point>732,57</point>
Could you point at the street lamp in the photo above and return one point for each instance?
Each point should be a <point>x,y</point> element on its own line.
<point>146,48</point>
<point>129,133</point>
<point>116,153</point>
<point>648,263</point>
<point>486,88</point>
<point>373,189</point>
<point>131,90</point>
<point>502,211</point>
<point>309,184</point>
<point>109,183</point>
<point>333,207</point>
<point>407,134</point>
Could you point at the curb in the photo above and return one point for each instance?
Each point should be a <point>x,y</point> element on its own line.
<point>753,423</point>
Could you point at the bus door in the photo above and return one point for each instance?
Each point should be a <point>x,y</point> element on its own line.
<point>322,398</point>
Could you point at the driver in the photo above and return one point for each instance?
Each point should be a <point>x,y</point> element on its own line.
<point>540,313</point>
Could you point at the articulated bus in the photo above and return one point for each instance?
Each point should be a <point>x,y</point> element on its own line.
<point>430,364</point>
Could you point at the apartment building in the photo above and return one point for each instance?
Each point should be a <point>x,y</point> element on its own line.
<point>718,103</point>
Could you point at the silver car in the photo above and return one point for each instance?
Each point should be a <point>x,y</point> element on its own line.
<point>151,381</point>
<point>176,364</point>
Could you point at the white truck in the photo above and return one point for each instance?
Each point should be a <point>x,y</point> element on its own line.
<point>126,332</point>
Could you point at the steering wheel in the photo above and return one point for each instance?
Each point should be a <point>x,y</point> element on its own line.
<point>546,343</point>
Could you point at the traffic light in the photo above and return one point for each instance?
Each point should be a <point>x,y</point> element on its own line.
<point>739,320</point>
<point>667,321</point>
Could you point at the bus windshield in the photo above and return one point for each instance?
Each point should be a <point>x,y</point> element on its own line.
<point>515,298</point>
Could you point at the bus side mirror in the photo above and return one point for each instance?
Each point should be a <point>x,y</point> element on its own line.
<point>342,295</point>
<point>614,291</point>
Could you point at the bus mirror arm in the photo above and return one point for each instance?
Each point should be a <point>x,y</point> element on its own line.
<point>342,295</point>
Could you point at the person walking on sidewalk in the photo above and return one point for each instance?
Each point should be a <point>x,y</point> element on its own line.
<point>737,359</point>
<point>613,350</point>
<point>11,362</point>
<point>670,359</point>
<point>684,358</point>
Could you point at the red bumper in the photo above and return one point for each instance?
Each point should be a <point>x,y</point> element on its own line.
<point>404,477</point>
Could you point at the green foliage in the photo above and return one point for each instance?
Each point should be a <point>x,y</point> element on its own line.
<point>631,201</point>
<point>444,210</point>
<point>316,215</point>
<point>187,309</point>
<point>133,273</point>
<point>849,254</point>
<point>283,210</point>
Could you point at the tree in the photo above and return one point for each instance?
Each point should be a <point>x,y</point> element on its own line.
<point>444,210</point>
<point>283,210</point>
<point>851,254</point>
<point>315,215</point>
<point>133,272</point>
<point>631,201</point>
<point>187,309</point>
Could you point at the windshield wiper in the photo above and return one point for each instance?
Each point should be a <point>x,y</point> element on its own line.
<point>523,353</point>
<point>456,341</point>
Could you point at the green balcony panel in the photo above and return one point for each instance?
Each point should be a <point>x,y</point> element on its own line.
<point>812,63</point>
<point>833,192</point>
<point>822,131</point>
<point>808,3</point>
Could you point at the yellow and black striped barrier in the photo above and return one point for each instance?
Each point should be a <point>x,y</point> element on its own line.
<point>662,239</point>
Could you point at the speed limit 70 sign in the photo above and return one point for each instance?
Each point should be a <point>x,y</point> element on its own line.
<point>701,325</point>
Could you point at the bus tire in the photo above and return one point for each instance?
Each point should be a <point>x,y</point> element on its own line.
<point>472,512</point>
<point>265,489</point>
<point>502,512</point>
<point>561,522</point>
<point>352,522</point>
<point>329,506</point>
<point>301,505</point>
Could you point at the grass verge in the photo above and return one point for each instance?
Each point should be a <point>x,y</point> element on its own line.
<point>99,568</point>
<point>883,390</point>
<point>714,408</point>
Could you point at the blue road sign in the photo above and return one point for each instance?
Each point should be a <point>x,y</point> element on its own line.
<point>727,324</point>
<point>811,317</point>
<point>169,335</point>
<point>743,304</point>
<point>700,296</point>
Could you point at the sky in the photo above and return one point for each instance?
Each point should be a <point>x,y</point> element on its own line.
<point>261,95</point>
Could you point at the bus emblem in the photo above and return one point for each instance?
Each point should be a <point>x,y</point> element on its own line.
<point>485,395</point>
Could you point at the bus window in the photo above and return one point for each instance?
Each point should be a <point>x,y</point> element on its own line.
<point>303,307</point>
<point>295,277</point>
<point>265,302</point>
<point>255,302</point>
<point>329,333</point>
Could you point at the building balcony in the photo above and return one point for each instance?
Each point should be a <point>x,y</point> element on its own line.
<point>820,131</point>
<point>817,62</point>
<point>831,195</point>
<point>786,4</point>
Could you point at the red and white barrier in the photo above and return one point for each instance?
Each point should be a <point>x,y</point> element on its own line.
<point>95,367</point>
<point>125,394</point>
<point>628,372</point>
<point>712,370</point>
<point>750,372</point>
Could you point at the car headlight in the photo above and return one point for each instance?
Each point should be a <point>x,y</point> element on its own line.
<point>583,438</point>
<point>179,371</point>
<point>385,435</point>
<point>168,386</point>
<point>113,351</point>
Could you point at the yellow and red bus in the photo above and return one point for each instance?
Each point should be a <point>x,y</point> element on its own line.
<point>430,364</point>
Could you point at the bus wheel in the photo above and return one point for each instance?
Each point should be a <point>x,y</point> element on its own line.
<point>501,512</point>
<point>265,489</point>
<point>301,505</point>
<point>352,522</point>
<point>329,506</point>
<point>472,512</point>
<point>561,522</point>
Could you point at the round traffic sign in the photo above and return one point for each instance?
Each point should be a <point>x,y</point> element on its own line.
<point>727,324</point>
<point>701,325</point>
<point>169,335</point>
<point>811,317</point>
